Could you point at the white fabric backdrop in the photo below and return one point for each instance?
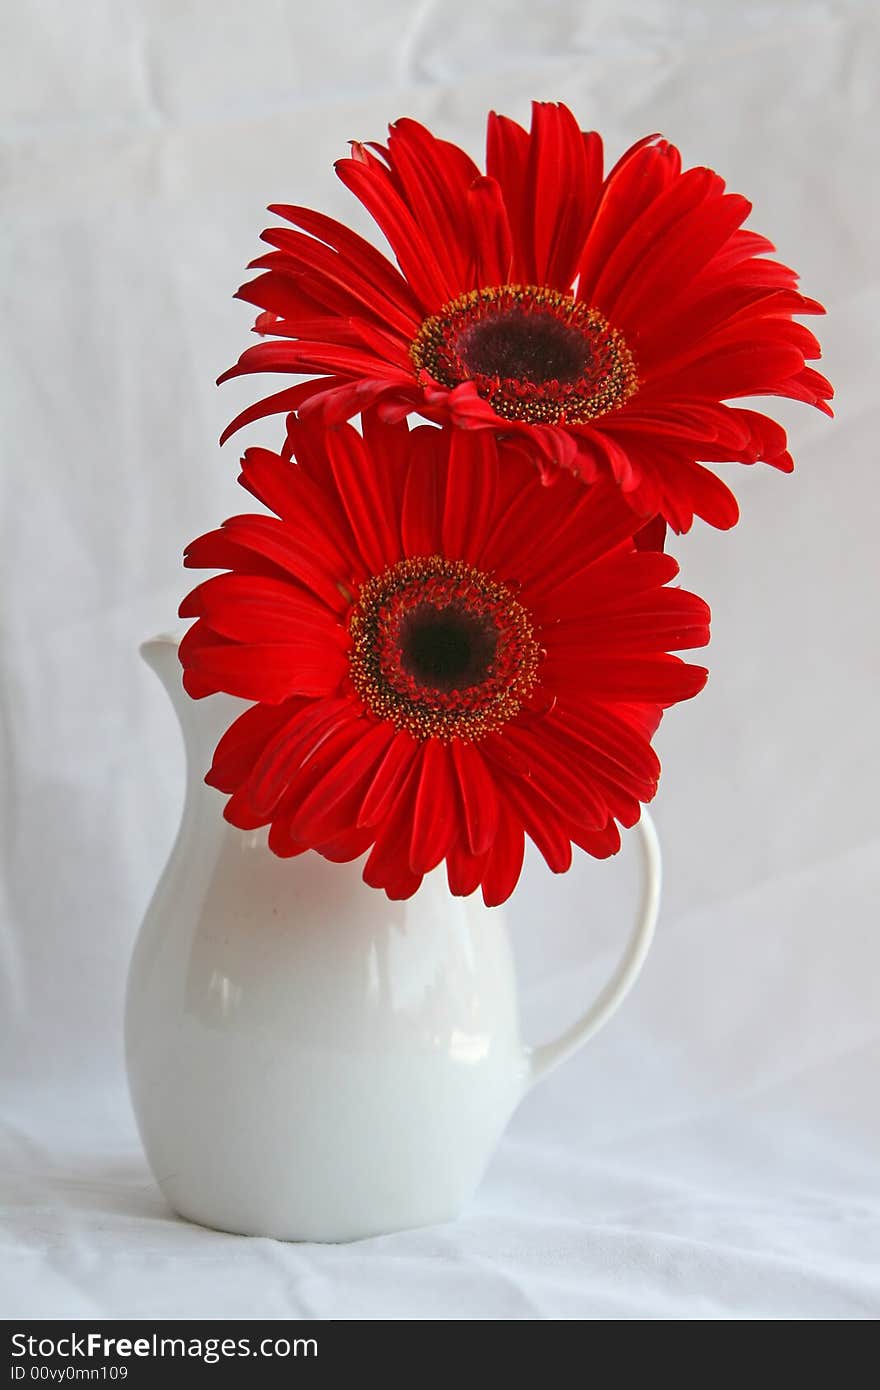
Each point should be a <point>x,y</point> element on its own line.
<point>715,1153</point>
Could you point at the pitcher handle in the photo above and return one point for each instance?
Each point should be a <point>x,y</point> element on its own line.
<point>543,1060</point>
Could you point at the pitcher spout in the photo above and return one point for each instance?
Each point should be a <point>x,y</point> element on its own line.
<point>160,654</point>
<point>201,721</point>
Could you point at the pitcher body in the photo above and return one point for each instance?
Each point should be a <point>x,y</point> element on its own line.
<point>307,1059</point>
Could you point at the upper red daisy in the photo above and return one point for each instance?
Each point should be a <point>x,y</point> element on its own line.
<point>445,656</point>
<point>608,316</point>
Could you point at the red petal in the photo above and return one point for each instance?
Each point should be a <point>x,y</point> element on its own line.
<point>388,864</point>
<point>331,806</point>
<point>477,794</point>
<point>600,843</point>
<point>560,192</point>
<point>678,257</point>
<point>435,810</point>
<point>295,495</point>
<point>215,551</point>
<point>339,402</point>
<point>619,735</point>
<point>251,609</point>
<point>271,479</point>
<point>370,264</point>
<point>540,824</point>
<point>657,679</point>
<point>312,563</point>
<point>434,182</point>
<point>471,479</point>
<point>661,620</point>
<point>504,863</point>
<point>464,871</point>
<point>423,498</point>
<point>652,535</point>
<point>707,494</point>
<point>507,152</point>
<point>637,179</point>
<point>620,787</point>
<point>272,673</point>
<point>364,489</point>
<point>636,248</point>
<point>305,356</point>
<point>279,764</point>
<point>244,741</point>
<point>492,239</point>
<point>390,777</point>
<point>291,398</point>
<point>238,812</point>
<point>554,781</point>
<point>739,370</point>
<point>334,280</point>
<point>613,578</point>
<point>281,842</point>
<point>344,848</point>
<point>416,257</point>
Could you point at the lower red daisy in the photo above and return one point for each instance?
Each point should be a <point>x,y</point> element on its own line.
<point>445,657</point>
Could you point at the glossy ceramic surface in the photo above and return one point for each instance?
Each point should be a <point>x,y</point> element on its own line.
<point>308,1060</point>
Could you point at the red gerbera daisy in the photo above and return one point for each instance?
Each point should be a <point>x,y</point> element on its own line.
<point>445,656</point>
<point>610,317</point>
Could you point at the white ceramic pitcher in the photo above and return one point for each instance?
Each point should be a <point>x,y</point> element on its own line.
<point>308,1060</point>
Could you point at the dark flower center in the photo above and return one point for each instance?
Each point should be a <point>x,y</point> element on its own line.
<point>446,648</point>
<point>536,354</point>
<point>536,347</point>
<point>441,649</point>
